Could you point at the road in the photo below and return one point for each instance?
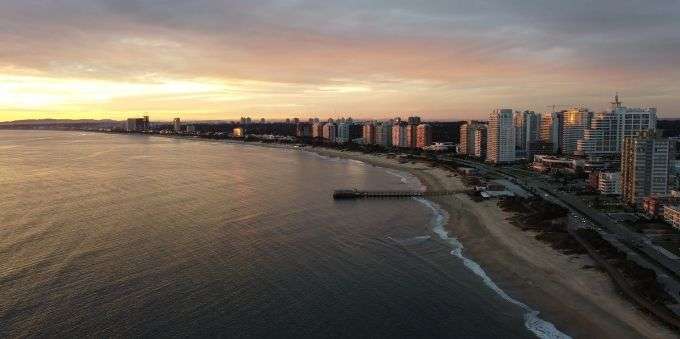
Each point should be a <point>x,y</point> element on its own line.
<point>638,247</point>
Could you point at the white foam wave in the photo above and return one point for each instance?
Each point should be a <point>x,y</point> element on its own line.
<point>532,322</point>
<point>410,241</point>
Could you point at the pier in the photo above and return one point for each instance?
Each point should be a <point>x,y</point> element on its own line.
<point>358,194</point>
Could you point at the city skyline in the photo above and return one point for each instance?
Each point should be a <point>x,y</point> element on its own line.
<point>277,59</point>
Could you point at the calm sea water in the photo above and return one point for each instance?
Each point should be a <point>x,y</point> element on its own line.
<point>112,235</point>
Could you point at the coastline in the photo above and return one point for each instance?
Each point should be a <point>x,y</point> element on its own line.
<point>579,302</point>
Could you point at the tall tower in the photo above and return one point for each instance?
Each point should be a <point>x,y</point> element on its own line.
<point>500,137</point>
<point>645,161</point>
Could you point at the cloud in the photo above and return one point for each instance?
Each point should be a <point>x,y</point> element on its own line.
<point>435,56</point>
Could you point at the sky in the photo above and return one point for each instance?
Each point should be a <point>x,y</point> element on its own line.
<point>222,59</point>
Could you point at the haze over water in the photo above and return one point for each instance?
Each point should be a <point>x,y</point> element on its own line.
<point>135,236</point>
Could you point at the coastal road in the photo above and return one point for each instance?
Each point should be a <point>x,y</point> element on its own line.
<point>639,247</point>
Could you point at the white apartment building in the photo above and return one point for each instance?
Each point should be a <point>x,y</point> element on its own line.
<point>608,129</point>
<point>500,146</point>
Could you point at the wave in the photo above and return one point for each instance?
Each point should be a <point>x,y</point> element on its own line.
<point>410,241</point>
<point>532,322</point>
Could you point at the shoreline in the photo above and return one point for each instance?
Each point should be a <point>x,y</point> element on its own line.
<point>579,302</point>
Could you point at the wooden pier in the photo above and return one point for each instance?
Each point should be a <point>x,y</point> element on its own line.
<point>357,194</point>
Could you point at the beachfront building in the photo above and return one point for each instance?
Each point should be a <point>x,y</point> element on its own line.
<point>317,130</point>
<point>609,128</point>
<point>441,147</point>
<point>369,133</point>
<point>238,132</point>
<point>383,134</point>
<point>411,135</point>
<point>480,141</point>
<point>137,124</point>
<point>609,183</point>
<point>550,130</point>
<point>423,136</point>
<point>527,125</point>
<point>399,134</point>
<point>645,164</point>
<point>176,125</point>
<point>467,137</point>
<point>330,131</point>
<point>348,131</point>
<point>575,122</point>
<point>303,130</point>
<point>500,137</point>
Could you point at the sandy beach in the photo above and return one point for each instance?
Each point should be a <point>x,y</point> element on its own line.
<point>578,301</point>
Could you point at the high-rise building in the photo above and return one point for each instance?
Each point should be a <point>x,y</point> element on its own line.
<point>532,132</point>
<point>330,131</point>
<point>303,129</point>
<point>576,121</point>
<point>177,126</point>
<point>423,136</point>
<point>645,164</point>
<point>464,139</point>
<point>369,133</point>
<point>527,131</point>
<point>551,127</point>
<point>411,135</point>
<point>480,141</point>
<point>383,134</point>
<point>500,137</point>
<point>399,134</point>
<point>347,131</point>
<point>609,128</point>
<point>415,120</point>
<point>518,120</point>
<point>317,130</point>
<point>467,137</point>
<point>137,124</point>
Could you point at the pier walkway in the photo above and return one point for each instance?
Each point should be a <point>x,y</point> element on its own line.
<point>357,194</point>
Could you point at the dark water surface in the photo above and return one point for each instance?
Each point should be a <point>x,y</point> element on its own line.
<point>112,235</point>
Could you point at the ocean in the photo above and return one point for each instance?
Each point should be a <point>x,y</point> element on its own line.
<point>129,235</point>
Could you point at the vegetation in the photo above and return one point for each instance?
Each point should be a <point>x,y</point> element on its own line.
<point>545,218</point>
<point>642,279</point>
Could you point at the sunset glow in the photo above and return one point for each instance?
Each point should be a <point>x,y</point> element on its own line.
<point>277,59</point>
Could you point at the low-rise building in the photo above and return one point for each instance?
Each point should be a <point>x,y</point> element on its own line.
<point>671,214</point>
<point>440,147</point>
<point>609,183</point>
<point>238,132</point>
